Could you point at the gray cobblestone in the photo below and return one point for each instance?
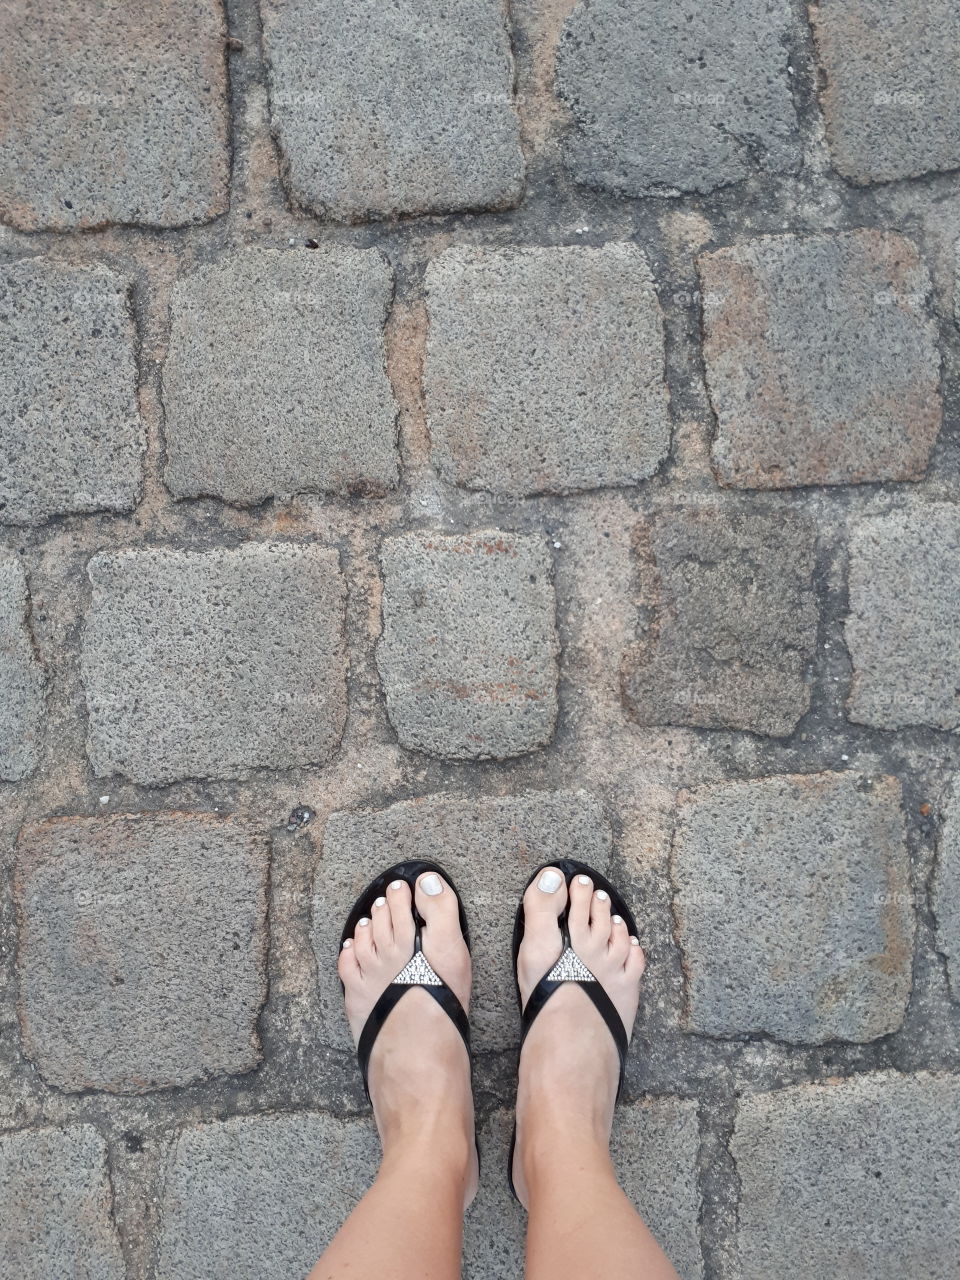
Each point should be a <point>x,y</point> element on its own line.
<point>55,1206</point>
<point>489,847</point>
<point>702,94</point>
<point>946,890</point>
<point>208,664</point>
<point>113,113</point>
<point>142,949</point>
<point>793,907</point>
<point>71,439</point>
<point>903,628</point>
<point>502,340</point>
<point>858,1178</point>
<point>275,381</point>
<point>21,678</point>
<point>891,108</point>
<point>729,621</point>
<point>409,110</point>
<point>468,656</point>
<point>261,1197</point>
<point>822,361</point>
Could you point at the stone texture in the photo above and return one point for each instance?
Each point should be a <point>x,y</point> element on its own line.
<point>858,1179</point>
<point>903,628</point>
<point>468,656</point>
<point>55,1206</point>
<point>275,382</point>
<point>71,439</point>
<point>545,368</point>
<point>207,664</point>
<point>889,98</point>
<point>113,112</point>
<point>21,677</point>
<point>142,949</point>
<point>821,360</point>
<point>261,1197</point>
<point>669,97</point>
<point>489,847</point>
<point>655,1149</point>
<point>946,890</point>
<point>728,621</point>
<point>793,907</point>
<point>409,110</point>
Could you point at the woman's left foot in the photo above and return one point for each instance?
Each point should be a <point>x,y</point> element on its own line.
<point>419,1076</point>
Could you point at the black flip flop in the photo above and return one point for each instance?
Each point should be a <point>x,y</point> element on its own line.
<point>417,972</point>
<point>570,968</point>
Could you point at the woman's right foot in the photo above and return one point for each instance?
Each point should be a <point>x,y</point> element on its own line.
<point>569,1068</point>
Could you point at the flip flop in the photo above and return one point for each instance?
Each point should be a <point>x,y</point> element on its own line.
<point>570,968</point>
<point>417,972</point>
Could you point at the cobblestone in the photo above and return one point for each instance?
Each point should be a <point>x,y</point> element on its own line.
<point>260,1197</point>
<point>946,890</point>
<point>545,368</point>
<point>702,94</point>
<point>275,381</point>
<point>21,678</point>
<point>409,110</point>
<point>730,621</point>
<point>903,628</point>
<point>793,907</point>
<point>182,677</point>
<point>822,361</point>
<point>113,113</point>
<point>857,1178</point>
<point>489,847</point>
<point>891,111</point>
<point>71,439</point>
<point>142,949</point>
<point>55,1206</point>
<point>468,656</point>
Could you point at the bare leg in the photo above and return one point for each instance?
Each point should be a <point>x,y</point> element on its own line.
<point>581,1223</point>
<point>409,1225</point>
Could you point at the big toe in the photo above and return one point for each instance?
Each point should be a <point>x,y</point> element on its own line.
<point>543,903</point>
<point>443,942</point>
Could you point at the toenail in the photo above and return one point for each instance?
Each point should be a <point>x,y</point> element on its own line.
<point>363,923</point>
<point>617,919</point>
<point>347,942</point>
<point>583,879</point>
<point>380,902</point>
<point>431,885</point>
<point>550,881</point>
<point>635,942</point>
<point>397,884</point>
<point>601,896</point>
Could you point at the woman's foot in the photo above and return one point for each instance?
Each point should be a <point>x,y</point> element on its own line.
<point>419,1075</point>
<point>569,1068</point>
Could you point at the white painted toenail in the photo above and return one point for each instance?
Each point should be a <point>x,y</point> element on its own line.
<point>550,881</point>
<point>601,896</point>
<point>635,942</point>
<point>397,884</point>
<point>431,885</point>
<point>347,942</point>
<point>380,902</point>
<point>583,879</point>
<point>617,919</point>
<point>363,923</point>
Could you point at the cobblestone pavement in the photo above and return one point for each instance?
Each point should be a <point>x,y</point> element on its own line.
<point>431,430</point>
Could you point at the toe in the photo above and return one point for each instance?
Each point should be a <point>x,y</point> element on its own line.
<point>544,900</point>
<point>619,946</point>
<point>381,924</point>
<point>581,894</point>
<point>348,966</point>
<point>636,960</point>
<point>363,945</point>
<point>400,905</point>
<point>600,917</point>
<point>437,903</point>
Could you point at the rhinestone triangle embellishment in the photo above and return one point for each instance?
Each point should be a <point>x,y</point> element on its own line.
<point>417,973</point>
<point>570,968</point>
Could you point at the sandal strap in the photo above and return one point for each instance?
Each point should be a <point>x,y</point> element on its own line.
<point>570,968</point>
<point>417,972</point>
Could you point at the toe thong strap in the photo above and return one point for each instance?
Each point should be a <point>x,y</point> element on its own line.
<point>570,968</point>
<point>416,973</point>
